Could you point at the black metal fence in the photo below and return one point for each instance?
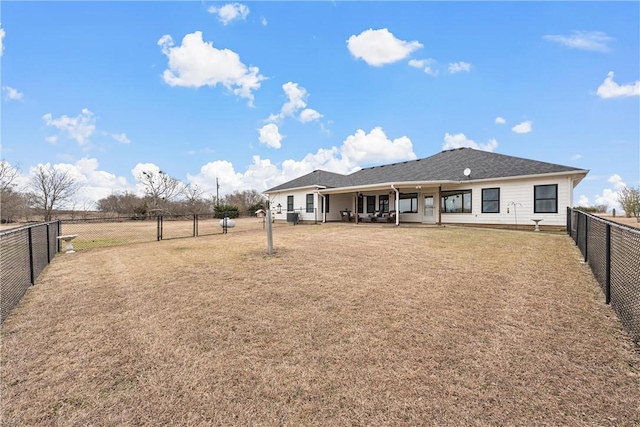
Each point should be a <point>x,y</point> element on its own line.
<point>613,253</point>
<point>24,253</point>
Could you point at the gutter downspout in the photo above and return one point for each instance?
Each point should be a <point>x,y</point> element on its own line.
<point>397,203</point>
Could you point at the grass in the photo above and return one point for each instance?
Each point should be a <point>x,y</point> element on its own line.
<point>104,234</point>
<point>343,325</point>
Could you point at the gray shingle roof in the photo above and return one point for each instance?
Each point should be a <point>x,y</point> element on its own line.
<point>317,177</point>
<point>444,166</point>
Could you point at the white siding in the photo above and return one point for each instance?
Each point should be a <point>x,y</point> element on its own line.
<point>300,205</point>
<point>518,192</point>
<point>516,199</point>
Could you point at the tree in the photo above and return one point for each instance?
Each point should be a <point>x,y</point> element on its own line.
<point>160,187</point>
<point>247,201</point>
<point>51,187</point>
<point>194,198</point>
<point>629,199</point>
<point>8,175</point>
<point>14,204</point>
<point>121,204</point>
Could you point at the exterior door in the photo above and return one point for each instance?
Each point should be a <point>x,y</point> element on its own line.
<point>428,212</point>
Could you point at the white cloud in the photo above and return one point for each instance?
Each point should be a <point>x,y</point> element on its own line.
<point>296,101</point>
<point>609,196</point>
<point>583,201</point>
<point>260,175</point>
<point>95,184</point>
<point>576,156</point>
<point>362,148</point>
<point>79,128</point>
<point>617,182</point>
<point>270,135</point>
<point>263,21</point>
<point>524,127</point>
<point>196,63</point>
<point>51,139</point>
<point>456,67</point>
<point>380,47</point>
<point>611,89</point>
<point>500,120</point>
<point>424,65</point>
<point>583,40</point>
<point>121,137</point>
<point>309,115</point>
<point>12,93</point>
<point>359,148</point>
<point>230,12</point>
<point>2,33</point>
<point>459,140</point>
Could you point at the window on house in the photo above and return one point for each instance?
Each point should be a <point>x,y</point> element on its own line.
<point>458,201</point>
<point>371,204</point>
<point>545,198</point>
<point>383,203</point>
<point>490,200</point>
<point>360,204</point>
<point>408,202</point>
<point>289,203</point>
<point>309,203</point>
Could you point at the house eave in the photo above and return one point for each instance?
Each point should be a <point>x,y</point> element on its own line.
<point>310,187</point>
<point>579,173</point>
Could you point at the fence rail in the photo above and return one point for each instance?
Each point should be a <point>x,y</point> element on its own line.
<point>24,253</point>
<point>613,252</point>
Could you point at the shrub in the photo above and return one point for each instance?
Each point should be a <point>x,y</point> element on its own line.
<point>228,210</point>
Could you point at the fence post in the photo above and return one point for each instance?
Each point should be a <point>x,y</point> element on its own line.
<point>59,234</point>
<point>195,225</point>
<point>607,244</point>
<point>568,220</point>
<point>31,267</point>
<point>586,237</point>
<point>159,227</point>
<point>576,238</point>
<point>48,244</point>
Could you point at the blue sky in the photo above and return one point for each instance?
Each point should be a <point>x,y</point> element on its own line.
<point>257,93</point>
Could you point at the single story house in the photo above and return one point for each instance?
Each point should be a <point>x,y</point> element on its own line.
<point>459,186</point>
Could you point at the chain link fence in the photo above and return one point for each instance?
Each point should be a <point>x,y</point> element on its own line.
<point>24,253</point>
<point>613,253</point>
<point>105,232</point>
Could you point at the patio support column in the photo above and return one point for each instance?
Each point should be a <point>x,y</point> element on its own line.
<point>439,207</point>
<point>397,204</point>
<point>355,208</point>
<point>324,208</point>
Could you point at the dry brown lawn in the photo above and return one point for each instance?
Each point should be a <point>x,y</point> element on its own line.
<point>630,222</point>
<point>343,325</point>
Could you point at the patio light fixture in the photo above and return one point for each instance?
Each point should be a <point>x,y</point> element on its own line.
<point>279,208</point>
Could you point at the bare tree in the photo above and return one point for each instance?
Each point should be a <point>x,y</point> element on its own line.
<point>13,204</point>
<point>194,198</point>
<point>246,200</point>
<point>160,187</point>
<point>50,187</point>
<point>629,199</point>
<point>8,175</point>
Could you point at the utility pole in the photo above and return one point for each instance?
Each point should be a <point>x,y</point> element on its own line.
<point>217,189</point>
